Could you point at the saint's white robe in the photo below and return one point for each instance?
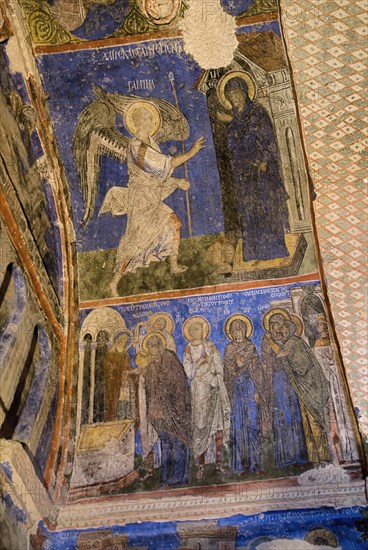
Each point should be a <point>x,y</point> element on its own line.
<point>209,398</point>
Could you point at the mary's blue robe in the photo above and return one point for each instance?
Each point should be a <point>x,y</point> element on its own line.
<point>244,427</point>
<point>257,182</point>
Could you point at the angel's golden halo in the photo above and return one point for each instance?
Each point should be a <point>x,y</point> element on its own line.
<point>252,89</point>
<point>130,116</point>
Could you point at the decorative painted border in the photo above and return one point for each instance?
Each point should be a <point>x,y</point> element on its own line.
<point>210,502</point>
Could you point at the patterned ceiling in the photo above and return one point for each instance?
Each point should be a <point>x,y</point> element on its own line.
<point>326,46</point>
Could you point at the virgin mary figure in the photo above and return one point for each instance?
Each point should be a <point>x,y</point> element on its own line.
<point>260,195</point>
<point>244,383</point>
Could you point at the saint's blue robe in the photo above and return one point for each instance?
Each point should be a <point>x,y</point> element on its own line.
<point>287,425</point>
<point>290,445</point>
<point>244,427</point>
<point>242,382</point>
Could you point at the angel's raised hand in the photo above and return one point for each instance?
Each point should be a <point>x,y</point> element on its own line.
<point>198,145</point>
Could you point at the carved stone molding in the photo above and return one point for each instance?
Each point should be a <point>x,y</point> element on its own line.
<point>104,540</point>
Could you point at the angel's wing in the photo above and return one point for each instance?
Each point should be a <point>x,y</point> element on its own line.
<point>174,124</point>
<point>96,135</point>
<point>174,127</point>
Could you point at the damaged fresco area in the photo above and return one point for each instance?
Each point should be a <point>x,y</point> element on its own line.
<point>322,529</point>
<point>207,354</point>
<point>154,152</point>
<point>212,388</point>
<point>25,168</point>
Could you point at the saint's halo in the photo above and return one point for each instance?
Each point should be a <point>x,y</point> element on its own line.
<point>151,335</point>
<point>298,323</point>
<point>191,321</point>
<point>270,313</point>
<point>238,317</point>
<point>168,320</point>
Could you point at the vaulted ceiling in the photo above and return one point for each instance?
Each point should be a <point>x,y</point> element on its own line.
<point>96,251</point>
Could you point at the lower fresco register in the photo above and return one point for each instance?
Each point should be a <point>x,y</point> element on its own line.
<point>210,389</point>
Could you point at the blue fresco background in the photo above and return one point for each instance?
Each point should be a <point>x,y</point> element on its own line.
<point>69,86</point>
<point>236,7</point>
<point>216,308</point>
<point>102,20</point>
<point>294,524</point>
<point>259,27</point>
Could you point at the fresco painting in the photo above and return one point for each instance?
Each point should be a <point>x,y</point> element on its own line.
<point>73,21</point>
<point>24,165</point>
<point>168,350</point>
<point>208,360</point>
<point>155,154</point>
<point>321,528</point>
<point>210,389</point>
<point>187,180</point>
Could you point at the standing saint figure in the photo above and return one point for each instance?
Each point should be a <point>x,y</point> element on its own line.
<point>244,383</point>
<point>164,410</point>
<point>286,425</point>
<point>257,183</point>
<point>158,322</point>
<point>307,378</point>
<point>119,389</point>
<point>325,355</point>
<point>210,402</point>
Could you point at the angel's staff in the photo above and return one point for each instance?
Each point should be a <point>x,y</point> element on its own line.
<point>172,82</point>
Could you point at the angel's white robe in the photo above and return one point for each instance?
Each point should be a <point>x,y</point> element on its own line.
<point>209,398</point>
<point>149,235</point>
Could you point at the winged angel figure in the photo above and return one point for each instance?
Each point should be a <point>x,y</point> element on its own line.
<point>153,229</point>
